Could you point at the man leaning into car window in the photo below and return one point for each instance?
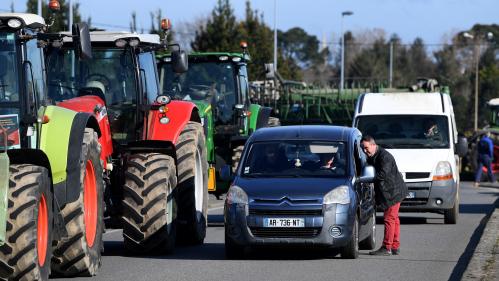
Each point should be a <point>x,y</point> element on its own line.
<point>390,190</point>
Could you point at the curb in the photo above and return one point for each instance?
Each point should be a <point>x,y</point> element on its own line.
<point>484,264</point>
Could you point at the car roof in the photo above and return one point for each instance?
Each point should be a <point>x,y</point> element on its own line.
<point>304,132</point>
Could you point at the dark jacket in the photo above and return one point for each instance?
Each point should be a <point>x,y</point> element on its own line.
<point>389,186</point>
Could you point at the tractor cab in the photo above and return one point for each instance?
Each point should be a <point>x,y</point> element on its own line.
<point>22,86</point>
<point>121,74</point>
<point>219,80</point>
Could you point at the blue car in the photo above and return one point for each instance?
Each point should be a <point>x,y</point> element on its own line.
<point>301,185</point>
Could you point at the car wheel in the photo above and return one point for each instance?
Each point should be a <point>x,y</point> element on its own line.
<point>451,215</point>
<point>370,242</point>
<point>351,250</point>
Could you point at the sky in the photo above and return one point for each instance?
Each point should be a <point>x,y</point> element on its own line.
<point>432,20</point>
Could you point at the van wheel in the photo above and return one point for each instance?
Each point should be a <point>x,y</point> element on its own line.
<point>370,242</point>
<point>451,215</point>
<point>351,250</point>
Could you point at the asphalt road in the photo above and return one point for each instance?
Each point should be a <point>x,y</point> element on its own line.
<point>430,250</point>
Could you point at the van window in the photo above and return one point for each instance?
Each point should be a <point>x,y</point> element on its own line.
<point>406,131</point>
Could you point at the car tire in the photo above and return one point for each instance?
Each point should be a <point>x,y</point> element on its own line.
<point>370,242</point>
<point>451,215</point>
<point>351,250</point>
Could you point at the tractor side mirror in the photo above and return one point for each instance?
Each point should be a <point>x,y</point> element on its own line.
<point>461,148</point>
<point>81,39</point>
<point>180,62</point>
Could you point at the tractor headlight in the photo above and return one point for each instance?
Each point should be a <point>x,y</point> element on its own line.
<point>339,195</point>
<point>14,23</point>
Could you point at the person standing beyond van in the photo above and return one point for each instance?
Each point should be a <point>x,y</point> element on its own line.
<point>390,190</point>
<point>485,158</point>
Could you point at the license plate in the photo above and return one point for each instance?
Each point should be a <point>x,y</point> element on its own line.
<point>283,222</point>
<point>411,194</point>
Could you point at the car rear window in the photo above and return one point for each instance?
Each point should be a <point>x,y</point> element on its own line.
<point>297,158</point>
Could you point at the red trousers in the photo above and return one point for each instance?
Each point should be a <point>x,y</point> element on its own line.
<point>392,227</point>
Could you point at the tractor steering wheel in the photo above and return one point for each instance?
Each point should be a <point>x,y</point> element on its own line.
<point>99,77</point>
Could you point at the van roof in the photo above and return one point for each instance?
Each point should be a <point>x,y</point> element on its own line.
<point>403,103</point>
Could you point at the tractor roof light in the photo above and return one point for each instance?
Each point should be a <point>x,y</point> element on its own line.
<point>243,44</point>
<point>236,59</point>
<point>223,58</point>
<point>120,43</point>
<point>166,24</point>
<point>14,23</point>
<point>134,42</point>
<point>54,6</point>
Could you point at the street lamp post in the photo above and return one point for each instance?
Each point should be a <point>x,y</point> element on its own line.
<point>476,51</point>
<point>342,80</point>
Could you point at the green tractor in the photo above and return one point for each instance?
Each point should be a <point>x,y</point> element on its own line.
<point>50,171</point>
<point>218,84</point>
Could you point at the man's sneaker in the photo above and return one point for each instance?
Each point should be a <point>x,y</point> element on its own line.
<point>381,252</point>
<point>476,185</point>
<point>395,252</point>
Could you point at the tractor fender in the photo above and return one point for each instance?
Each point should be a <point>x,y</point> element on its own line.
<point>148,146</point>
<point>61,139</point>
<point>29,156</point>
<point>254,110</point>
<point>178,113</point>
<point>263,117</point>
<point>95,106</point>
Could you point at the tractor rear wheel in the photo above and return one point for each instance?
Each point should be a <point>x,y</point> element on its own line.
<point>80,253</point>
<point>28,246</point>
<point>149,207</point>
<point>192,170</point>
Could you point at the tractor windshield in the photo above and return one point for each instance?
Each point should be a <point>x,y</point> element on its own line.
<point>211,82</point>
<point>9,73</point>
<point>110,73</point>
<point>406,131</point>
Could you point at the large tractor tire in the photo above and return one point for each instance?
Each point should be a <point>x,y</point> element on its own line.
<point>192,168</point>
<point>79,254</point>
<point>29,224</point>
<point>149,207</point>
<point>236,157</point>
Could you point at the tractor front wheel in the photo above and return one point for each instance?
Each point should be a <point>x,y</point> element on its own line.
<point>192,169</point>
<point>149,208</point>
<point>80,253</point>
<point>28,246</point>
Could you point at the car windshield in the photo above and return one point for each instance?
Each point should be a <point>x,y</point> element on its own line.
<point>300,158</point>
<point>406,131</point>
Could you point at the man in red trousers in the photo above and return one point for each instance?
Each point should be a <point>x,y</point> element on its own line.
<point>390,190</point>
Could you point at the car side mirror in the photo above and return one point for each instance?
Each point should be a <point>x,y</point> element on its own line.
<point>461,148</point>
<point>81,38</point>
<point>180,61</point>
<point>367,175</point>
<point>226,173</point>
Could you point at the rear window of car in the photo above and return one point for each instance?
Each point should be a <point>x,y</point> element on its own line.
<point>297,158</point>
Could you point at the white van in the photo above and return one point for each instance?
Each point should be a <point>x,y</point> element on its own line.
<point>419,130</point>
